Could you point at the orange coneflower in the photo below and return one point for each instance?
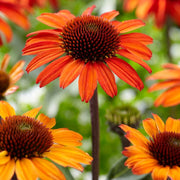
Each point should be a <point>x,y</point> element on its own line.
<point>25,142</point>
<point>13,12</point>
<point>161,9</point>
<point>8,80</point>
<point>171,77</point>
<point>159,155</point>
<point>89,45</point>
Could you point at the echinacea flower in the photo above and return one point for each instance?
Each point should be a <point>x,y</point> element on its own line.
<point>8,80</point>
<point>29,4</point>
<point>86,46</point>
<point>160,154</point>
<point>26,142</point>
<point>12,11</point>
<point>161,9</point>
<point>171,83</point>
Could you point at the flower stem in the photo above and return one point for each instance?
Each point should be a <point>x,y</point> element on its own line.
<point>94,110</point>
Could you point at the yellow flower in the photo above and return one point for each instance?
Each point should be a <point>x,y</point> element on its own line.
<point>160,154</point>
<point>25,142</point>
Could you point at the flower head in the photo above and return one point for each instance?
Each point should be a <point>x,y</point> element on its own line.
<point>25,142</point>
<point>89,45</point>
<point>13,12</point>
<point>8,80</point>
<point>171,77</point>
<point>161,9</point>
<point>159,155</point>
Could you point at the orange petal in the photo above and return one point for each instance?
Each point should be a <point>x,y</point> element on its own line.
<point>6,30</point>
<point>15,15</point>
<point>143,38</point>
<point>5,62</point>
<point>25,169</point>
<point>172,125</point>
<point>174,173</point>
<point>133,151</point>
<point>7,171</point>
<point>33,112</point>
<point>52,19</point>
<point>47,170</point>
<point>144,166</point>
<point>6,109</point>
<point>150,127</point>
<point>159,123</point>
<point>125,72</point>
<point>129,25</point>
<point>88,11</point>
<point>45,32</point>
<point>87,82</point>
<point>48,122</point>
<point>106,79</point>
<point>160,172</point>
<point>137,49</point>
<point>127,54</point>
<point>134,136</point>
<point>163,85</point>
<point>130,5</point>
<point>10,90</point>
<point>70,73</point>
<point>53,70</point>
<point>4,159</point>
<point>110,15</point>
<point>43,58</point>
<point>171,66</point>
<point>66,137</point>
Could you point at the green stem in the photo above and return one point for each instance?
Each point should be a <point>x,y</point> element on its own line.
<point>94,110</point>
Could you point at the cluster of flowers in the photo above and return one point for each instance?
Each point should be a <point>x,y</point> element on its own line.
<point>91,48</point>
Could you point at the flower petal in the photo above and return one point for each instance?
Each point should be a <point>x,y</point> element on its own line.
<point>159,123</point>
<point>106,79</point>
<point>7,171</point>
<point>5,62</point>
<point>174,173</point>
<point>160,172</point>
<point>10,90</point>
<point>172,125</point>
<point>47,170</point>
<point>129,25</point>
<point>70,73</point>
<point>46,121</point>
<point>110,15</point>
<point>6,109</point>
<point>87,82</point>
<point>125,72</point>
<point>4,158</point>
<point>25,169</point>
<point>6,30</point>
<point>66,137</point>
<point>33,112</point>
<point>88,11</point>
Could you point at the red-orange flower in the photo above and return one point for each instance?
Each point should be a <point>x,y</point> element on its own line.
<point>171,77</point>
<point>8,80</point>
<point>160,154</point>
<point>29,4</point>
<point>161,9</point>
<point>89,45</point>
<point>13,12</point>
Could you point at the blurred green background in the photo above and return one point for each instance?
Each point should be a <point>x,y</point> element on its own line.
<point>66,106</point>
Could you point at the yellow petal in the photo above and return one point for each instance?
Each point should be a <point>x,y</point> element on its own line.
<point>48,122</point>
<point>33,112</point>
<point>67,137</point>
<point>47,170</point>
<point>7,171</point>
<point>6,109</point>
<point>174,173</point>
<point>160,173</point>
<point>4,159</point>
<point>150,127</point>
<point>5,62</point>
<point>159,122</point>
<point>172,125</point>
<point>25,169</point>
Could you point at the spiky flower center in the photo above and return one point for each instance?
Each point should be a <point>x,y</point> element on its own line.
<point>90,38</point>
<point>165,147</point>
<point>4,81</point>
<point>22,136</point>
